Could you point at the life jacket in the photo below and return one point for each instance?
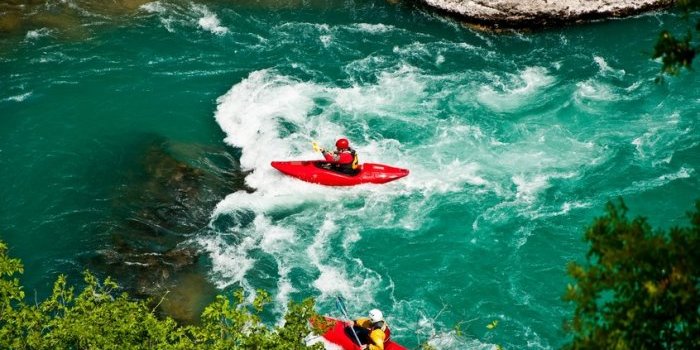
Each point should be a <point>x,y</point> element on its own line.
<point>387,335</point>
<point>348,167</point>
<point>367,328</point>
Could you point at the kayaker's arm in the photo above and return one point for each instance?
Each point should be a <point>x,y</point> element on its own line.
<point>330,157</point>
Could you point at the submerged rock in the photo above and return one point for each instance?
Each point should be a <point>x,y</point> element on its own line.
<point>541,13</point>
<point>165,201</point>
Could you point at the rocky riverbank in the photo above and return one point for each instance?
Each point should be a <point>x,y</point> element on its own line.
<point>534,14</point>
<point>70,18</point>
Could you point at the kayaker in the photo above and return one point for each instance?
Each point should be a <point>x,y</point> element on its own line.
<point>344,159</point>
<point>372,331</point>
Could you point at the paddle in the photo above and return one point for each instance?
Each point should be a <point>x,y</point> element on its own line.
<point>316,147</point>
<point>339,303</point>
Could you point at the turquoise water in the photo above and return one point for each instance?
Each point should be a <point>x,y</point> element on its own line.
<point>514,141</point>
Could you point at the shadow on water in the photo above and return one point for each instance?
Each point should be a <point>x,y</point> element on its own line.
<point>70,17</point>
<point>164,201</point>
<point>67,17</point>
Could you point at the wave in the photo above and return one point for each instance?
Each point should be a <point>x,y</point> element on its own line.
<point>209,20</point>
<point>38,33</point>
<point>271,116</point>
<point>377,28</point>
<point>154,7</point>
<point>169,14</point>
<point>514,92</point>
<point>312,233</point>
<point>645,185</point>
<point>173,15</point>
<point>605,68</point>
<point>19,98</point>
<point>488,144</point>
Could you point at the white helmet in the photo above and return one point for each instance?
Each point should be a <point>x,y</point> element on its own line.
<point>375,316</point>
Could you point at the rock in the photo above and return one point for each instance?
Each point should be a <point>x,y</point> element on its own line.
<point>541,13</point>
<point>167,197</point>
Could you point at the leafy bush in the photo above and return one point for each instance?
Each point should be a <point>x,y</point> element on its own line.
<point>639,289</point>
<point>98,318</point>
<point>677,53</point>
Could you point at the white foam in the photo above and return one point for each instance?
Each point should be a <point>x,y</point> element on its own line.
<point>334,279</point>
<point>440,59</point>
<point>395,95</point>
<point>516,90</point>
<point>659,136</point>
<point>605,68</point>
<point>209,21</point>
<point>270,116</point>
<point>567,206</point>
<point>374,28</point>
<point>603,86</point>
<point>648,184</point>
<point>682,173</point>
<point>153,7</point>
<point>37,33</point>
<point>279,242</point>
<point>170,14</point>
<point>19,98</point>
<point>528,188</point>
<point>250,114</point>
<point>230,263</point>
<point>415,49</point>
<point>594,90</point>
<point>522,171</point>
<point>326,40</point>
<point>601,63</point>
<point>429,331</point>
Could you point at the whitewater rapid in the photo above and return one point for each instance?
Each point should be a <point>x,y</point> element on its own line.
<point>513,142</point>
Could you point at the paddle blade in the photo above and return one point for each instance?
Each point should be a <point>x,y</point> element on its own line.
<point>315,146</point>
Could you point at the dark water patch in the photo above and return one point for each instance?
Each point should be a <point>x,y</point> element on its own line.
<point>163,201</point>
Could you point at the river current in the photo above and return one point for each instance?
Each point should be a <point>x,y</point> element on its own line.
<point>515,142</point>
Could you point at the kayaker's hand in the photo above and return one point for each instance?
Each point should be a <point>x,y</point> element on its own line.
<point>363,347</point>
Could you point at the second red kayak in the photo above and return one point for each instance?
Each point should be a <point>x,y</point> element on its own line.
<point>313,171</point>
<point>338,337</point>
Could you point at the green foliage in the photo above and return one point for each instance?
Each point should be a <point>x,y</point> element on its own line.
<point>675,53</point>
<point>639,289</point>
<point>678,53</point>
<point>99,318</point>
<point>10,289</point>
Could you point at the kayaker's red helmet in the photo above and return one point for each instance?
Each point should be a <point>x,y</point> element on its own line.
<point>342,143</point>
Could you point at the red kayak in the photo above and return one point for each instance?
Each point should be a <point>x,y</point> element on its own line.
<point>336,335</point>
<point>313,171</point>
